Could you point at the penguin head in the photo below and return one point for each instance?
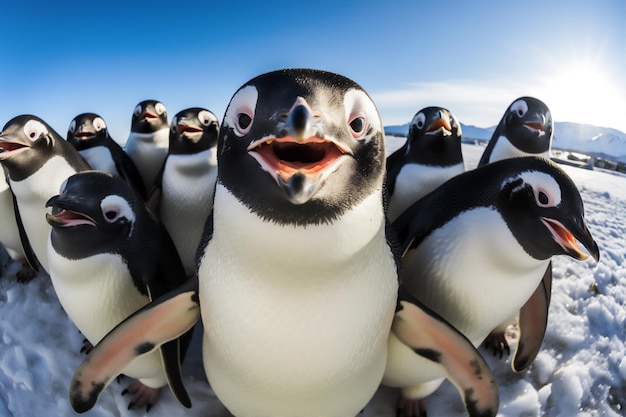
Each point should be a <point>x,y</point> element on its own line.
<point>148,117</point>
<point>543,208</point>
<point>87,130</point>
<point>434,138</point>
<point>528,125</point>
<point>94,212</point>
<point>26,143</point>
<point>193,130</point>
<point>301,146</point>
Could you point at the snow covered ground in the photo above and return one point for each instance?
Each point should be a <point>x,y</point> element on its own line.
<point>580,371</point>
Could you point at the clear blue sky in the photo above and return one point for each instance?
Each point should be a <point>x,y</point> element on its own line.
<point>62,58</point>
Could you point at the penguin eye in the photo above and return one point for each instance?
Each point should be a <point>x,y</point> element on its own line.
<point>205,117</point>
<point>544,198</point>
<point>114,208</point>
<point>137,111</point>
<point>357,125</point>
<point>520,107</point>
<point>419,120</point>
<point>243,122</point>
<point>98,124</point>
<point>34,129</point>
<point>72,127</point>
<point>174,125</point>
<point>160,108</point>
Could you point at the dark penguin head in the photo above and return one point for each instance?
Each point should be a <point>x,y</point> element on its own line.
<point>543,208</point>
<point>87,130</point>
<point>193,130</point>
<point>434,138</point>
<point>148,117</point>
<point>301,146</point>
<point>528,125</point>
<point>27,143</point>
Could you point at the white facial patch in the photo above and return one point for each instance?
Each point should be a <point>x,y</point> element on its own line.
<point>243,103</point>
<point>545,188</point>
<point>114,208</point>
<point>33,129</point>
<point>358,104</point>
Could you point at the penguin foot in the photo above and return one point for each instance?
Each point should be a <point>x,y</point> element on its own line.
<point>143,396</point>
<point>496,342</point>
<point>26,274</point>
<point>410,407</point>
<point>87,346</point>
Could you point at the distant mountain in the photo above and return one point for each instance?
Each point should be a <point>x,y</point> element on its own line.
<point>575,137</point>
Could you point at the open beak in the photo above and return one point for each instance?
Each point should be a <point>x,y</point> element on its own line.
<point>65,218</point>
<point>570,237</point>
<point>537,124</point>
<point>441,124</point>
<point>9,146</point>
<point>301,160</point>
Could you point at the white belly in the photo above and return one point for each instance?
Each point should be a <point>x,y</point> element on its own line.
<point>97,293</point>
<point>32,194</point>
<point>474,280</point>
<point>187,198</point>
<point>414,182</point>
<point>9,233</point>
<point>99,158</point>
<point>148,151</point>
<point>295,324</point>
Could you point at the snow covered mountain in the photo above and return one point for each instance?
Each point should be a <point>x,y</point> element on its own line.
<point>592,140</point>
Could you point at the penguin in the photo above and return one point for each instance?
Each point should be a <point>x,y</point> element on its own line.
<point>148,140</point>
<point>37,161</point>
<point>183,191</point>
<point>102,271</point>
<point>475,249</point>
<point>430,156</point>
<point>297,273</point>
<point>525,129</point>
<point>88,133</point>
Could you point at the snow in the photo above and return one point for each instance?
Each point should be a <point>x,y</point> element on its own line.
<point>580,371</point>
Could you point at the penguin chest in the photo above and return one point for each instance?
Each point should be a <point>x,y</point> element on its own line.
<point>414,181</point>
<point>148,151</point>
<point>99,158</point>
<point>187,198</point>
<point>504,149</point>
<point>96,292</point>
<point>294,334</point>
<point>32,193</point>
<point>9,233</point>
<point>475,277</point>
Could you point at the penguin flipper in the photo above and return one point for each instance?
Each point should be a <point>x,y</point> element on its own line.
<point>163,320</point>
<point>433,338</point>
<point>31,258</point>
<point>533,320</point>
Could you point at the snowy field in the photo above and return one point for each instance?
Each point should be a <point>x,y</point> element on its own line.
<point>580,371</point>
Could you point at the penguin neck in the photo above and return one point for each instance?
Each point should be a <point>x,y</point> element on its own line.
<point>160,137</point>
<point>504,149</point>
<point>319,245</point>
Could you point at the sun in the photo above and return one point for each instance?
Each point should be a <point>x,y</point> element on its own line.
<point>584,91</point>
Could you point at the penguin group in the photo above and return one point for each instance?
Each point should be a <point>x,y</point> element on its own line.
<point>319,266</point>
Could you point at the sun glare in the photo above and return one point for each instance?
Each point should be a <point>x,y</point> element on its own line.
<point>584,92</point>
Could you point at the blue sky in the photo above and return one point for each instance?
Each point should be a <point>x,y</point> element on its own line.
<point>62,58</point>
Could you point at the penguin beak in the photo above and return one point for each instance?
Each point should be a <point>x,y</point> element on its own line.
<point>146,116</point>
<point>536,124</point>
<point>441,124</point>
<point>303,157</point>
<point>65,218</point>
<point>188,130</point>
<point>570,237</point>
<point>10,145</point>
<point>83,133</point>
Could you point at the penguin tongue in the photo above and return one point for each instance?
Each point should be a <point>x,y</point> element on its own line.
<point>538,126</point>
<point>68,218</point>
<point>6,147</point>
<point>564,238</point>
